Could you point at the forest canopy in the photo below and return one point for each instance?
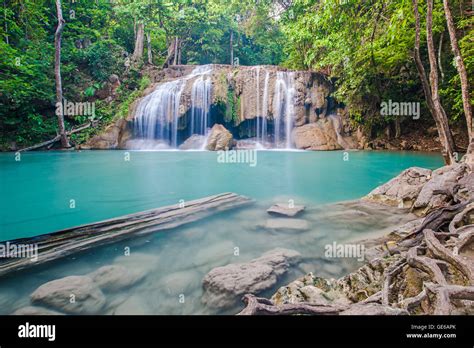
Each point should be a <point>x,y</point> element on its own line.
<point>364,46</point>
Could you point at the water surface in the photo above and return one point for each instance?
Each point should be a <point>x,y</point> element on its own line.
<point>47,191</point>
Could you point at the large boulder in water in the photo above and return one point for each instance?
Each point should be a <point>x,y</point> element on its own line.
<point>320,135</point>
<point>219,139</point>
<point>73,295</point>
<point>224,286</point>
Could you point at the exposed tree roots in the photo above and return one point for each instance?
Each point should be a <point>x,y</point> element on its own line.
<point>433,273</point>
<point>262,306</point>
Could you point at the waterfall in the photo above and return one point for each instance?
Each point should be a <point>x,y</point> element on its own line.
<point>200,101</point>
<point>261,108</point>
<point>283,108</point>
<point>158,113</point>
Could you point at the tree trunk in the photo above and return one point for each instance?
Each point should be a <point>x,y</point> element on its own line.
<point>169,58</point>
<point>138,51</point>
<point>150,53</point>
<point>231,47</point>
<point>398,128</point>
<point>433,103</point>
<point>445,135</point>
<point>180,50</point>
<point>460,67</point>
<point>6,23</point>
<point>440,48</point>
<point>176,42</point>
<point>57,75</point>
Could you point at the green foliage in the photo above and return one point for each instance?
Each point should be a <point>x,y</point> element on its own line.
<point>367,48</point>
<point>104,58</point>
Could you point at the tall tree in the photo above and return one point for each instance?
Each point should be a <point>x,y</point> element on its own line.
<point>139,39</point>
<point>431,88</point>
<point>57,75</point>
<point>148,43</point>
<point>461,68</point>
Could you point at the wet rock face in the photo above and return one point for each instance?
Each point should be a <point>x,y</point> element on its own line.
<point>72,295</point>
<point>320,135</point>
<point>110,138</point>
<point>223,286</point>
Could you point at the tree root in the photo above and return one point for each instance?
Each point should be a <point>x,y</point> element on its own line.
<point>442,280</point>
<point>460,219</point>
<point>262,306</point>
<point>465,239</point>
<point>412,302</point>
<point>426,264</point>
<point>390,273</point>
<point>441,252</point>
<point>444,295</point>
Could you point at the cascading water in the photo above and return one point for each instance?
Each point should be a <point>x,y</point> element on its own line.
<point>200,100</point>
<point>261,108</point>
<point>158,114</point>
<point>283,108</point>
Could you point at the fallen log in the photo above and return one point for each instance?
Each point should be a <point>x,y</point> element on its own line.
<point>76,239</point>
<point>51,142</point>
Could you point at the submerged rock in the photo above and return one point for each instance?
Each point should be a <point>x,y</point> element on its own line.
<point>285,210</point>
<point>73,295</point>
<point>33,310</point>
<point>133,305</point>
<point>279,224</point>
<point>223,286</point>
<point>194,142</point>
<point>403,190</point>
<point>138,261</point>
<point>219,139</point>
<point>115,277</point>
<point>181,282</point>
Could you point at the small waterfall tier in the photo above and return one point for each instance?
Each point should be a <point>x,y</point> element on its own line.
<point>260,105</point>
<point>159,114</point>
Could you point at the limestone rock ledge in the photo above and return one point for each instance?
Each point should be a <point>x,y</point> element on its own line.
<point>422,190</point>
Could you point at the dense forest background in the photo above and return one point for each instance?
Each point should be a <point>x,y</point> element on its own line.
<point>365,46</point>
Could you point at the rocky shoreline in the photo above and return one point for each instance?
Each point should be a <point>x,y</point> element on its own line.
<point>423,267</point>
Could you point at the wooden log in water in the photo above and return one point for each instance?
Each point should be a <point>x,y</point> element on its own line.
<point>62,243</point>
